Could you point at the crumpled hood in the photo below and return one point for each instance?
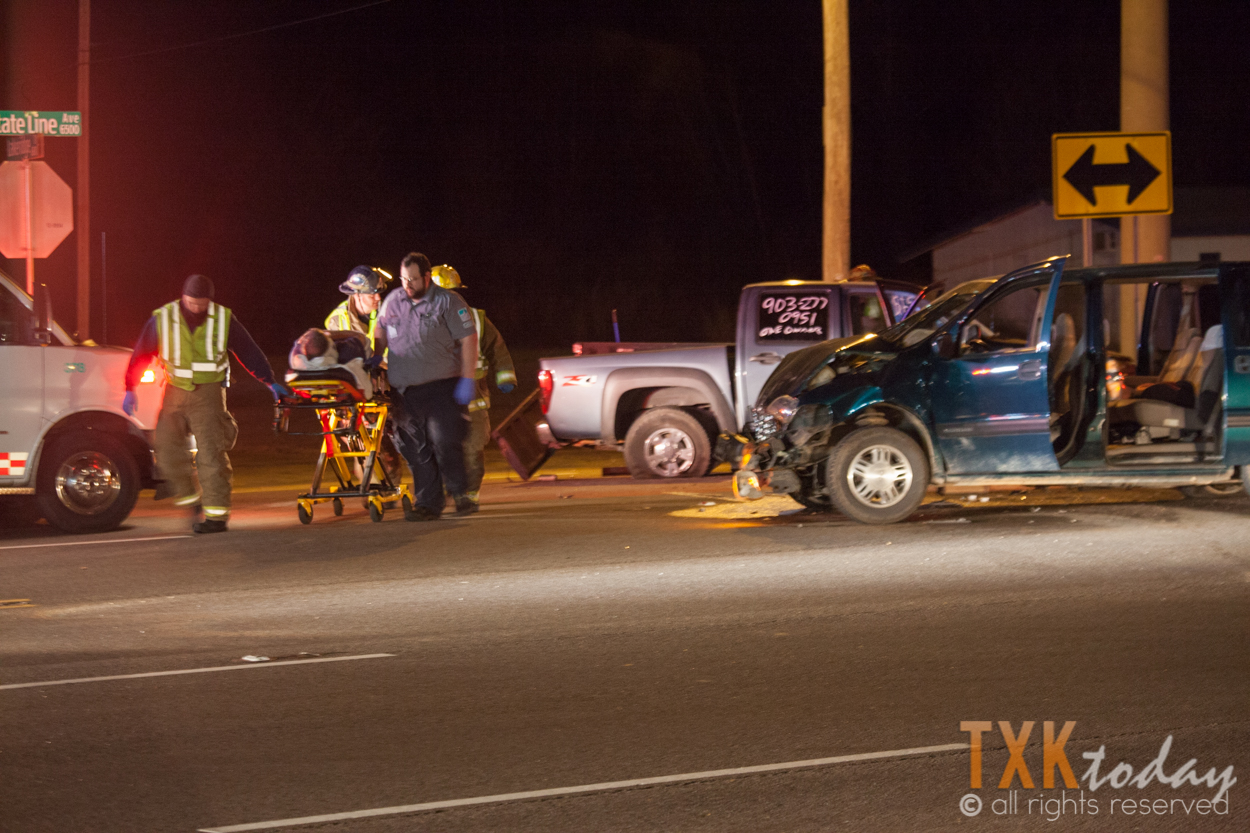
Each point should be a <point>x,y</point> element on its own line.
<point>797,367</point>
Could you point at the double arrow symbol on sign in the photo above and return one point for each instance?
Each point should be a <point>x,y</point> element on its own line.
<point>1137,173</point>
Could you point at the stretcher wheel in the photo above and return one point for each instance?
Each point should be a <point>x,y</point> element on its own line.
<point>375,512</point>
<point>305,514</point>
<point>338,506</point>
<point>407,504</point>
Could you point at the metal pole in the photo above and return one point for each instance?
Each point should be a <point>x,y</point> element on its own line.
<point>83,222</point>
<point>836,237</point>
<point>1087,241</point>
<point>28,219</point>
<point>104,291</point>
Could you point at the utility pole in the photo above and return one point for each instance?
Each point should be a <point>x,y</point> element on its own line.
<point>836,213</point>
<point>83,222</point>
<point>1143,108</point>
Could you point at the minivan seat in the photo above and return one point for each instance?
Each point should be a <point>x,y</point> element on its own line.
<point>1168,419</point>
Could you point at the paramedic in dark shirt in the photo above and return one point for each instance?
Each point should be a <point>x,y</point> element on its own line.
<point>430,341</point>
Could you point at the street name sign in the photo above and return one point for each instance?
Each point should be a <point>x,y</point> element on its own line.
<point>46,122</point>
<point>1111,174</point>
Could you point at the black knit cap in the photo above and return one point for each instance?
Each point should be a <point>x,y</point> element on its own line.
<point>198,286</point>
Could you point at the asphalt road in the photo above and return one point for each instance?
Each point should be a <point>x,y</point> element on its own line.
<point>590,632</point>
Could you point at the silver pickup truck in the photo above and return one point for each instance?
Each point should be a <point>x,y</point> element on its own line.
<point>665,404</point>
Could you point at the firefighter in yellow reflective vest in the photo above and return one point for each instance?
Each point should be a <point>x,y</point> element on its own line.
<point>193,338</point>
<point>491,353</point>
<point>359,313</point>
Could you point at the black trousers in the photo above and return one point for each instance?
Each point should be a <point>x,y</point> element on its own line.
<point>430,429</point>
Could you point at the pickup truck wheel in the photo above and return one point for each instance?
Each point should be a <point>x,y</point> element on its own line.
<point>667,442</point>
<point>87,483</point>
<point>877,475</point>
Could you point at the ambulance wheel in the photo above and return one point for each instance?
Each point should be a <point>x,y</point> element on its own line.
<point>375,512</point>
<point>877,475</point>
<point>667,442</point>
<point>305,515</point>
<point>87,482</point>
<point>338,506</point>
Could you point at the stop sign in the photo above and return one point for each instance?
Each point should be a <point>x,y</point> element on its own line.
<point>51,205</point>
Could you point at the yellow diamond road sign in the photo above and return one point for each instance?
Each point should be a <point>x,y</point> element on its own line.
<point>1111,174</point>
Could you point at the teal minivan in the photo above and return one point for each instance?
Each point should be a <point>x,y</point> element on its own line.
<point>1039,377</point>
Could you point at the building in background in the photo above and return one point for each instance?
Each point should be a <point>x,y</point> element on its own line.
<point>1208,224</point>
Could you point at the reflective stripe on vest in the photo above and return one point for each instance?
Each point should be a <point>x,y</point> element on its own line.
<point>482,364</point>
<point>178,357</point>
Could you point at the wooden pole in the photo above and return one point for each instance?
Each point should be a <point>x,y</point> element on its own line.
<point>1144,107</point>
<point>836,226</point>
<point>83,222</point>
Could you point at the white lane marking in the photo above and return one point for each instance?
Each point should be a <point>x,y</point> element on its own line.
<point>85,543</point>
<point>247,667</point>
<point>584,788</point>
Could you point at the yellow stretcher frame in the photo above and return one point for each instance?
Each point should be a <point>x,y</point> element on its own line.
<point>352,430</point>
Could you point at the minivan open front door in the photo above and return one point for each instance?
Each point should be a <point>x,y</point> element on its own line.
<point>988,388</point>
<point>1235,316</point>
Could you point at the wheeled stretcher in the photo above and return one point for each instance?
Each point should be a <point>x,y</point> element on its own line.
<point>352,428</point>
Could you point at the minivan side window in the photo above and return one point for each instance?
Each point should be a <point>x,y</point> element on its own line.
<point>1008,322</point>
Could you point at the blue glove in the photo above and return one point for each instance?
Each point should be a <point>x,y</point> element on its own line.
<point>130,403</point>
<point>279,390</point>
<point>506,387</point>
<point>466,391</point>
<point>374,362</point>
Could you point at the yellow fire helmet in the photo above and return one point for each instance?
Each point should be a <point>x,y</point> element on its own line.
<point>446,277</point>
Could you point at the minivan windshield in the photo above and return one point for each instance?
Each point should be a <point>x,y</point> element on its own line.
<point>920,325</point>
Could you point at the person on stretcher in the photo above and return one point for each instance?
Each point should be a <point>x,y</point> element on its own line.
<point>318,350</point>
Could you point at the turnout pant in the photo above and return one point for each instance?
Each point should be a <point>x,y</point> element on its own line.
<point>200,413</point>
<point>430,427</point>
<point>475,450</point>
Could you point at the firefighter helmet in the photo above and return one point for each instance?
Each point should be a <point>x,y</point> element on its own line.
<point>365,280</point>
<point>446,276</point>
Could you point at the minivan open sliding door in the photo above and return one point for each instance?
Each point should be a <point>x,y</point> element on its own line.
<point>1235,316</point>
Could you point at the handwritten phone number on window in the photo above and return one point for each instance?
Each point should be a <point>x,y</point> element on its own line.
<point>795,309</point>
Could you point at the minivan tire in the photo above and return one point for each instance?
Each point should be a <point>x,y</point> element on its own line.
<point>87,482</point>
<point>877,475</point>
<point>667,442</point>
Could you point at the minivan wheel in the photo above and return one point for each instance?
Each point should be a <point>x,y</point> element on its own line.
<point>667,442</point>
<point>1232,488</point>
<point>86,483</point>
<point>877,475</point>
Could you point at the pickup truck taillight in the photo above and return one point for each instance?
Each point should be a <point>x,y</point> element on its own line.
<point>545,383</point>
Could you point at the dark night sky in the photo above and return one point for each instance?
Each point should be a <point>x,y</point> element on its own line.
<point>571,157</point>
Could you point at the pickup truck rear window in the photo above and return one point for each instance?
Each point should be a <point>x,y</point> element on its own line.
<point>792,316</point>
